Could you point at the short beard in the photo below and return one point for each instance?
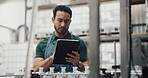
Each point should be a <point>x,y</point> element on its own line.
<point>61,33</point>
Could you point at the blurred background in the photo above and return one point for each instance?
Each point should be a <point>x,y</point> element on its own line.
<point>15,28</point>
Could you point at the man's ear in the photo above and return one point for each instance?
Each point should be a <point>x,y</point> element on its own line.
<point>53,19</point>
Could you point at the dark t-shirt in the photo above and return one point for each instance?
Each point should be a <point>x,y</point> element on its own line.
<point>40,49</point>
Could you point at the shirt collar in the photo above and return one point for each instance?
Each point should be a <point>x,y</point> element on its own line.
<point>67,36</point>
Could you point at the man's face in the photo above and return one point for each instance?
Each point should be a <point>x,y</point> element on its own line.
<point>61,22</point>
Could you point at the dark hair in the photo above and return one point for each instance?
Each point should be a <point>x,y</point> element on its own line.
<point>62,8</point>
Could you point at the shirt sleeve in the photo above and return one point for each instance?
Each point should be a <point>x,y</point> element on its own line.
<point>39,51</point>
<point>83,51</point>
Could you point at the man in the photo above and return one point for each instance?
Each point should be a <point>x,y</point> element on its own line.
<point>61,19</point>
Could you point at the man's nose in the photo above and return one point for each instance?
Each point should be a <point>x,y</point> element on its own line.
<point>63,23</point>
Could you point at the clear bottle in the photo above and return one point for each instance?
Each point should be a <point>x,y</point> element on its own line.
<point>41,72</point>
<point>51,72</point>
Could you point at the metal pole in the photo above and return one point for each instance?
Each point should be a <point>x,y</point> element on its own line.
<point>130,38</point>
<point>125,38</point>
<point>115,59</point>
<point>25,20</point>
<point>94,39</point>
<point>31,41</point>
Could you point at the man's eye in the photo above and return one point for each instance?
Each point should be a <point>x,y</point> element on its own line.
<point>66,21</point>
<point>59,20</point>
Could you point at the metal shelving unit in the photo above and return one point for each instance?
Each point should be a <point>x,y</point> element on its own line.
<point>106,38</point>
<point>95,36</point>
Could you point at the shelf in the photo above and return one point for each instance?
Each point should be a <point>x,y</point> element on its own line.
<point>143,37</point>
<point>133,2</point>
<point>50,6</point>
<point>115,37</point>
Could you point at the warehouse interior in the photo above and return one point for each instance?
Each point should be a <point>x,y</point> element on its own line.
<point>115,31</point>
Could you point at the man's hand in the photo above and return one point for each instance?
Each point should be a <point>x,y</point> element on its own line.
<point>40,62</point>
<point>73,58</point>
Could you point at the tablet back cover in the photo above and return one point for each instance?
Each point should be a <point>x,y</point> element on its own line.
<point>63,47</point>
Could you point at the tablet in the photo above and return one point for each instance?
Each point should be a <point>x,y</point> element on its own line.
<point>63,47</point>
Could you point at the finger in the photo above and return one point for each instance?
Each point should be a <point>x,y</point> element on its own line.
<point>73,61</point>
<point>76,53</point>
<point>72,56</point>
<point>69,61</point>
